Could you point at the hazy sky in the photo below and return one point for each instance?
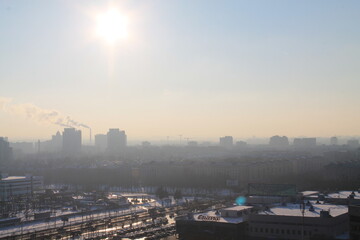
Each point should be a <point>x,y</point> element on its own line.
<point>202,69</point>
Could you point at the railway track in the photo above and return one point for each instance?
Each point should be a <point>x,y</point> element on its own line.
<point>87,226</point>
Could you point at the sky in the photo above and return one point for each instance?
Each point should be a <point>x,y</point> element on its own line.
<point>201,69</point>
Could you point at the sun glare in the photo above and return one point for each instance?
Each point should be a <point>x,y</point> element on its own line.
<point>111,26</point>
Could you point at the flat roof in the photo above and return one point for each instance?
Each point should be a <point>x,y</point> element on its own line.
<point>309,193</point>
<point>13,178</point>
<point>294,210</point>
<point>236,208</point>
<point>343,194</point>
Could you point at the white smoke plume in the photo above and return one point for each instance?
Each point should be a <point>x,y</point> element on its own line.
<point>38,114</point>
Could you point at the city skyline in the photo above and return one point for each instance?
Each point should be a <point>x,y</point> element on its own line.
<point>202,70</point>
<point>88,138</point>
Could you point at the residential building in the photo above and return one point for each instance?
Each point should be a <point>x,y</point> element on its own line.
<point>71,141</point>
<point>226,141</point>
<point>116,140</point>
<point>333,141</point>
<point>277,141</point>
<point>5,150</point>
<point>101,142</point>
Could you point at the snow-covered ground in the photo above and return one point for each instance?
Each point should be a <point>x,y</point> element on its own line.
<point>57,222</point>
<point>29,227</point>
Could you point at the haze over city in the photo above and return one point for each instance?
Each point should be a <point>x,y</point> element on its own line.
<point>179,120</point>
<point>201,69</point>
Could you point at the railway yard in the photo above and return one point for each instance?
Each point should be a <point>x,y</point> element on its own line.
<point>145,217</point>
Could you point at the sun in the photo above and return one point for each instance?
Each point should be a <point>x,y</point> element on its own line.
<point>111,26</point>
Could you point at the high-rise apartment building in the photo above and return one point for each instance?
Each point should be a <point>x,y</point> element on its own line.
<point>333,141</point>
<point>71,141</point>
<point>277,141</point>
<point>226,141</point>
<point>57,141</point>
<point>101,142</point>
<point>5,150</point>
<point>116,140</point>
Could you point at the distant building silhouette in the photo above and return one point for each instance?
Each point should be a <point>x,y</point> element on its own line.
<point>56,141</point>
<point>71,141</point>
<point>305,142</point>
<point>333,141</point>
<point>226,141</point>
<point>101,142</point>
<point>52,145</point>
<point>20,148</point>
<point>192,143</point>
<point>241,144</point>
<point>277,141</point>
<point>145,144</point>
<point>5,150</point>
<point>353,143</point>
<point>116,140</point>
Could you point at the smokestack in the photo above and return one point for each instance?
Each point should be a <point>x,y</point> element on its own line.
<point>90,136</point>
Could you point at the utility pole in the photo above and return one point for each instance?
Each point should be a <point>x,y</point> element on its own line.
<point>302,208</point>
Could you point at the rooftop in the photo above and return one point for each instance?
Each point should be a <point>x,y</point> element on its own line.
<point>295,210</point>
<point>236,208</point>
<point>309,193</point>
<point>10,178</point>
<point>15,178</point>
<point>214,216</point>
<point>344,194</point>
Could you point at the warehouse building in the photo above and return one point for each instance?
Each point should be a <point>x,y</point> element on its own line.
<point>12,186</point>
<point>299,221</point>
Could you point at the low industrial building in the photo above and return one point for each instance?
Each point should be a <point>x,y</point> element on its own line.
<point>354,218</point>
<point>343,197</point>
<point>228,223</point>
<point>299,221</point>
<point>13,186</point>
